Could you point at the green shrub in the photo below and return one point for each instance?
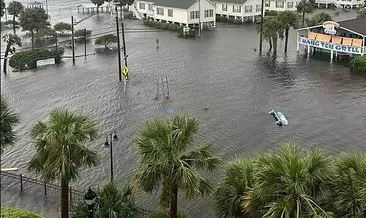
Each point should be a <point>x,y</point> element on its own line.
<point>80,33</point>
<point>106,40</point>
<point>163,26</point>
<point>358,65</point>
<point>17,213</point>
<point>28,59</point>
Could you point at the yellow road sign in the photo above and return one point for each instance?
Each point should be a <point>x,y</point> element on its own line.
<point>125,72</point>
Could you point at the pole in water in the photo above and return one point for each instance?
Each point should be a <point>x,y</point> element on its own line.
<point>72,38</point>
<point>157,43</point>
<point>119,49</point>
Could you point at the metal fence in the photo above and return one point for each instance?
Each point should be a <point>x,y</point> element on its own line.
<point>27,184</point>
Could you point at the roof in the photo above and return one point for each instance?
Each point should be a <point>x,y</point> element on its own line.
<point>357,25</point>
<point>231,1</point>
<point>36,3</point>
<point>184,4</point>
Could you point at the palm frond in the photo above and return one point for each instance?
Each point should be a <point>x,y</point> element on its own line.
<point>8,119</point>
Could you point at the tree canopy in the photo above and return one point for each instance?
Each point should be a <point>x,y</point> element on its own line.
<point>33,19</point>
<point>318,19</point>
<point>106,40</point>
<point>62,27</point>
<point>8,119</point>
<point>2,8</point>
<point>15,8</point>
<point>361,12</point>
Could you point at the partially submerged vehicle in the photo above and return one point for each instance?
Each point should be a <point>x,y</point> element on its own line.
<point>280,118</point>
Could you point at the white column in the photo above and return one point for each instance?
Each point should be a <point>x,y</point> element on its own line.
<point>331,56</point>
<point>363,48</point>
<point>308,51</point>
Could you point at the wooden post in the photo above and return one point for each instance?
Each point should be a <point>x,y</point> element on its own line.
<point>21,182</point>
<point>45,188</point>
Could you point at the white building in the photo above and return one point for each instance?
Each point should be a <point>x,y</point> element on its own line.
<point>184,12</point>
<point>239,9</point>
<point>341,3</point>
<point>285,5</point>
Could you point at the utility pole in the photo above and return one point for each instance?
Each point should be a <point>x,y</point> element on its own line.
<point>119,49</point>
<point>199,18</point>
<point>261,28</point>
<point>85,42</point>
<point>72,38</point>
<point>124,44</point>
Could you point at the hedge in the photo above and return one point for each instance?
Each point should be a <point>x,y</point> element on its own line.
<point>164,26</point>
<point>17,213</point>
<point>28,59</point>
<point>358,65</point>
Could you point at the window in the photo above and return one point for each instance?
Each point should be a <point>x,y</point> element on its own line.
<point>248,9</point>
<point>280,4</point>
<point>160,11</point>
<point>236,8</point>
<point>142,6</point>
<point>209,13</point>
<point>224,7</point>
<point>170,12</point>
<point>258,8</point>
<point>151,7</point>
<point>267,4</point>
<point>290,4</point>
<point>194,14</point>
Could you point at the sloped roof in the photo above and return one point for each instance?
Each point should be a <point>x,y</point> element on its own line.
<point>231,1</point>
<point>184,4</point>
<point>358,25</point>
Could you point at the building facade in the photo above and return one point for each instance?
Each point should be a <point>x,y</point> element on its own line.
<point>239,9</point>
<point>285,5</point>
<point>346,38</point>
<point>340,3</point>
<point>183,12</point>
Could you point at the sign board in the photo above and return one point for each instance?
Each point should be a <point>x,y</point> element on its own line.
<point>329,27</point>
<point>46,62</point>
<point>125,73</point>
<point>330,46</point>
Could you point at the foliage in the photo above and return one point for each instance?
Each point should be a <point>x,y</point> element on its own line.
<point>164,26</point>
<point>11,41</point>
<point>98,3</point>
<point>62,27</point>
<point>304,7</point>
<point>106,40</point>
<point>287,20</point>
<point>123,2</point>
<point>358,65</point>
<point>9,24</point>
<point>112,199</point>
<point>348,183</point>
<point>272,30</point>
<point>361,12</point>
<point>17,213</point>
<point>33,19</point>
<point>61,149</point>
<point>2,8</point>
<point>46,33</point>
<point>27,59</point>
<point>80,33</point>
<point>8,119</point>
<point>318,19</point>
<point>271,13</point>
<point>170,157</point>
<point>15,8</point>
<point>164,213</point>
<point>238,179</point>
<point>288,183</point>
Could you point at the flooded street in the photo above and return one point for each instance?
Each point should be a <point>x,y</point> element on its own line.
<point>219,78</point>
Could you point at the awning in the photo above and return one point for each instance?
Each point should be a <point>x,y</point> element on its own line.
<point>312,35</point>
<point>357,43</point>
<point>336,40</point>
<point>323,37</point>
<point>347,41</point>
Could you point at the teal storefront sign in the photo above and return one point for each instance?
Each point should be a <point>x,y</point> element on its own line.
<point>330,46</point>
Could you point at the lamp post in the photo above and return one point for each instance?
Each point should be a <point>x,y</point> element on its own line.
<point>109,143</point>
<point>90,199</point>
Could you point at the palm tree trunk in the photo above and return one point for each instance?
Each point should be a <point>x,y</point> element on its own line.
<point>98,9</point>
<point>14,24</point>
<point>6,57</point>
<point>32,32</point>
<point>64,199</point>
<point>270,44</point>
<point>274,45</point>
<point>303,18</point>
<point>174,203</point>
<point>286,38</point>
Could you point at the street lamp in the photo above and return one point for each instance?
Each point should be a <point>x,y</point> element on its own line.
<point>90,199</point>
<point>109,143</point>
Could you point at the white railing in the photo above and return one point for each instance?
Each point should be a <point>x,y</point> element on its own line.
<point>136,12</point>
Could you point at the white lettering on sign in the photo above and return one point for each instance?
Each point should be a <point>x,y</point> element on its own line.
<point>45,62</point>
<point>330,46</point>
<point>329,27</point>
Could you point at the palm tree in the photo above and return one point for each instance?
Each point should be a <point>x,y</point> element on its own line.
<point>14,9</point>
<point>304,7</point>
<point>348,186</point>
<point>272,30</point>
<point>318,19</point>
<point>287,20</point>
<point>168,156</point>
<point>61,150</point>
<point>288,183</point>
<point>114,200</point>
<point>10,40</point>
<point>361,12</point>
<point>8,119</point>
<point>238,179</point>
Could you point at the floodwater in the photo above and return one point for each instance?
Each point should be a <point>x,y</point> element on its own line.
<point>218,78</point>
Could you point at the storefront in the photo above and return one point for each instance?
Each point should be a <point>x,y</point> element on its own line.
<point>346,38</point>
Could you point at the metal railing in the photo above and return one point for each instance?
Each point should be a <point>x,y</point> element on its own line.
<point>23,184</point>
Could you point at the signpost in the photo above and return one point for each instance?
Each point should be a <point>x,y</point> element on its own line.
<point>44,62</point>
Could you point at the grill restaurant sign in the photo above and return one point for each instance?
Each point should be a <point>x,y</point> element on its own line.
<point>329,27</point>
<point>330,46</point>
